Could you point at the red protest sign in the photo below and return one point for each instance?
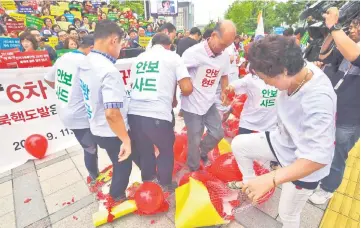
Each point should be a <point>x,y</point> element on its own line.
<point>15,26</point>
<point>33,59</point>
<point>8,58</point>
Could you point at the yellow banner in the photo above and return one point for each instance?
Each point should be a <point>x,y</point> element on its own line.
<point>56,10</point>
<point>63,6</point>
<point>18,17</point>
<point>8,4</point>
<point>63,25</point>
<point>76,14</point>
<point>105,10</point>
<point>144,40</point>
<point>53,41</point>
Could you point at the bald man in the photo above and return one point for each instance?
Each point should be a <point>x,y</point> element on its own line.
<point>208,65</point>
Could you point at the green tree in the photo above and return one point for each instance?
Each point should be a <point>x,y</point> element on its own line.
<point>210,25</point>
<point>136,6</point>
<point>244,14</point>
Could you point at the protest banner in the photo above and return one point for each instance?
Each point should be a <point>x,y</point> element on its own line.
<point>61,52</point>
<point>92,17</point>
<point>77,14</point>
<point>105,10</point>
<point>9,43</point>
<point>32,59</point>
<point>28,106</point>
<point>25,9</point>
<point>18,17</point>
<point>144,40</point>
<point>63,6</point>
<point>69,17</point>
<point>34,22</point>
<point>8,58</point>
<point>64,25</point>
<point>112,16</point>
<point>56,10</point>
<point>15,26</point>
<point>8,4</point>
<point>53,41</point>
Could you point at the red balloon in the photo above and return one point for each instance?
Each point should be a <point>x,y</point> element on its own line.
<point>225,168</point>
<point>36,145</point>
<point>149,198</point>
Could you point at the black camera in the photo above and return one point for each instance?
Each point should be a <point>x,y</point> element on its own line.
<point>44,39</point>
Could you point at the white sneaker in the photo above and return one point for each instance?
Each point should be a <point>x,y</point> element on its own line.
<point>320,196</point>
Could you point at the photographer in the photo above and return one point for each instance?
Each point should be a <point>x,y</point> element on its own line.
<point>41,43</point>
<point>345,58</point>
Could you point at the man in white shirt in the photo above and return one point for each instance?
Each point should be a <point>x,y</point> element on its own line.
<point>64,76</point>
<point>106,103</point>
<point>154,76</point>
<point>208,66</point>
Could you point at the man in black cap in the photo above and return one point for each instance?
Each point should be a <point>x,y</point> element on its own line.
<point>64,78</point>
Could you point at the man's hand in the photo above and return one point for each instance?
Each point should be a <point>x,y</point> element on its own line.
<point>224,99</point>
<point>319,64</point>
<point>125,151</point>
<point>331,17</point>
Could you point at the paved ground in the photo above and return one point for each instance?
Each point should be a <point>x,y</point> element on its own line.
<point>51,184</point>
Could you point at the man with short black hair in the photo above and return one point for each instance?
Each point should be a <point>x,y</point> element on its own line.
<point>133,41</point>
<point>154,76</point>
<point>62,35</point>
<point>64,77</point>
<point>169,29</point>
<point>106,103</point>
<point>187,42</point>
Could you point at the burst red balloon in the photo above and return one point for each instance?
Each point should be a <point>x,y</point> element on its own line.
<point>36,145</point>
<point>149,198</point>
<point>180,147</point>
<point>225,168</point>
<point>201,176</point>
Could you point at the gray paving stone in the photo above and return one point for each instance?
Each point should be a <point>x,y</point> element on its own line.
<point>253,217</point>
<point>270,207</point>
<point>136,221</point>
<point>6,178</point>
<point>61,181</point>
<point>8,220</point>
<point>55,201</point>
<point>28,167</point>
<point>233,224</point>
<point>42,223</point>
<point>52,161</point>
<point>28,186</point>
<point>50,157</point>
<point>55,169</point>
<point>6,188</point>
<point>76,148</point>
<point>171,213</point>
<point>5,174</point>
<point>71,209</point>
<point>81,218</point>
<point>6,204</point>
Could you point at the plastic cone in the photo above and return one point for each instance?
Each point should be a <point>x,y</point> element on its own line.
<point>194,207</point>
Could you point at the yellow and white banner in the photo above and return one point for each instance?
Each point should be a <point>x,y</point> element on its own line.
<point>28,107</point>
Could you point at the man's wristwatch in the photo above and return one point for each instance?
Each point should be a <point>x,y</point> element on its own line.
<point>335,27</point>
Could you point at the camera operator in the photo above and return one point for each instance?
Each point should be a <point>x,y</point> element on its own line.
<point>41,43</point>
<point>346,81</point>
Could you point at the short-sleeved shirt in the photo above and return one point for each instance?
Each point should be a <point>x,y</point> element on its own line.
<point>259,111</point>
<point>206,70</point>
<point>102,85</point>
<point>70,104</point>
<point>348,92</point>
<point>306,125</point>
<point>154,76</point>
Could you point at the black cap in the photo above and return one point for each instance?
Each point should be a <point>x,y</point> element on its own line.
<point>87,40</point>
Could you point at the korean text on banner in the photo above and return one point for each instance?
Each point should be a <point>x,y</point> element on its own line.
<point>34,22</point>
<point>8,58</point>
<point>25,9</point>
<point>12,26</point>
<point>33,59</point>
<point>9,43</point>
<point>143,41</point>
<point>18,17</point>
<point>28,107</point>
<point>8,4</point>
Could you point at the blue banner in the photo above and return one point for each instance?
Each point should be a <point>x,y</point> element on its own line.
<point>278,30</point>
<point>25,9</point>
<point>70,17</point>
<point>9,43</point>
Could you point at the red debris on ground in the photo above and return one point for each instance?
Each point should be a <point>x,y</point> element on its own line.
<point>56,204</point>
<point>152,221</point>
<point>101,196</point>
<point>68,203</point>
<point>64,204</point>
<point>27,200</point>
<point>75,218</point>
<point>72,200</point>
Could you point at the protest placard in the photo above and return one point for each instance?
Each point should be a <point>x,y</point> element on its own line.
<point>8,4</point>
<point>15,26</point>
<point>32,59</point>
<point>144,40</point>
<point>112,16</point>
<point>64,6</point>
<point>70,17</point>
<point>56,10</point>
<point>105,10</point>
<point>18,17</point>
<point>25,9</point>
<point>34,22</point>
<point>64,25</point>
<point>53,41</point>
<point>92,17</point>
<point>76,14</point>
<point>61,52</point>
<point>8,58</point>
<point>9,43</point>
<point>75,6</point>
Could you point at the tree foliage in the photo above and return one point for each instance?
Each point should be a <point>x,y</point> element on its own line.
<point>244,14</point>
<point>136,6</point>
<point>210,25</point>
